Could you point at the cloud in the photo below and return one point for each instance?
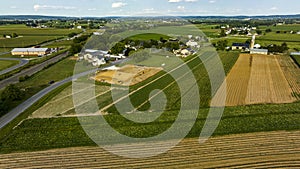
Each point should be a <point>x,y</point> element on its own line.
<point>118,4</point>
<point>174,1</point>
<point>13,7</point>
<point>148,9</point>
<point>274,8</point>
<point>92,9</point>
<point>45,7</point>
<point>191,0</point>
<point>181,8</point>
<point>212,1</point>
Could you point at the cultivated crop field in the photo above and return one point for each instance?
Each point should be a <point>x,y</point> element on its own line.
<point>265,150</point>
<point>139,96</point>
<point>26,41</point>
<point>23,30</point>
<point>259,79</point>
<point>68,132</point>
<point>280,37</point>
<point>31,36</point>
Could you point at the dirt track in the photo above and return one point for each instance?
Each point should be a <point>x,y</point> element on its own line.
<point>257,150</point>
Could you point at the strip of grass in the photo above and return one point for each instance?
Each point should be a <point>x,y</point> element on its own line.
<point>296,60</point>
<point>4,64</point>
<point>42,134</point>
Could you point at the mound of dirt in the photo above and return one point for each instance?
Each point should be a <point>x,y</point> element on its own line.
<point>127,75</point>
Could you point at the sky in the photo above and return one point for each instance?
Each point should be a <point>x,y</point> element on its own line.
<point>102,8</point>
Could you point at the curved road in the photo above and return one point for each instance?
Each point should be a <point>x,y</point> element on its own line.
<point>22,63</point>
<point>30,71</point>
<point>25,105</point>
<point>28,103</point>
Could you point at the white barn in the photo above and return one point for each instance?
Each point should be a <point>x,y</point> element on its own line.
<point>259,51</point>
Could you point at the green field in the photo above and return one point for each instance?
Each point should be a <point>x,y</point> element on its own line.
<point>42,134</point>
<point>26,41</point>
<point>23,30</point>
<point>48,133</point>
<point>31,36</point>
<point>4,64</point>
<point>280,37</point>
<point>74,130</point>
<point>63,44</point>
<point>297,60</point>
<point>148,36</point>
<point>231,39</point>
<point>208,31</point>
<point>57,72</point>
<point>290,27</point>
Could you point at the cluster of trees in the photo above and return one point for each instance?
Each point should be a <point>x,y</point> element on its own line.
<point>220,45</point>
<point>13,35</point>
<point>7,98</point>
<point>144,44</point>
<point>268,30</point>
<point>78,44</point>
<point>278,48</point>
<point>70,35</point>
<point>223,34</point>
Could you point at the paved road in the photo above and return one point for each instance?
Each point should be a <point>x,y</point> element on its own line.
<point>30,71</point>
<point>28,103</point>
<point>22,63</point>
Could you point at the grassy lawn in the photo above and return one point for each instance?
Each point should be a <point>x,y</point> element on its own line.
<point>57,72</point>
<point>4,64</point>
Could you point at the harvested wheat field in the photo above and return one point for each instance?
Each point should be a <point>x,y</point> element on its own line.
<point>291,72</point>
<point>127,75</point>
<point>279,149</point>
<point>260,79</point>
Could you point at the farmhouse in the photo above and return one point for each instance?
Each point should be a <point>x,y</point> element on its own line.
<point>240,46</point>
<point>192,44</point>
<point>259,51</point>
<point>30,51</point>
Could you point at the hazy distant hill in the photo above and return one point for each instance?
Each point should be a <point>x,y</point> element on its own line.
<point>41,17</point>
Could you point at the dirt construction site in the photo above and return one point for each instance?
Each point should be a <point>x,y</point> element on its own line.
<point>127,75</point>
<point>261,79</point>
